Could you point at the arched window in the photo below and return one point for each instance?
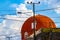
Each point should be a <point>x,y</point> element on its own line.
<point>25,35</point>
<point>32,24</point>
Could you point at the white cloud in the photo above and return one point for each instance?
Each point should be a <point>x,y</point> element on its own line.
<point>58,9</point>
<point>58,25</point>
<point>24,11</point>
<point>12,21</point>
<point>12,24</point>
<point>14,5</point>
<point>10,27</point>
<point>21,7</point>
<point>2,25</point>
<point>52,3</point>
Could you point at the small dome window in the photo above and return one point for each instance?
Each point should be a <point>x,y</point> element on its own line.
<point>19,12</point>
<point>32,24</point>
<point>25,35</point>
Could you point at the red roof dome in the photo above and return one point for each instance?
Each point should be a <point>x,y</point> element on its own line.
<point>42,22</point>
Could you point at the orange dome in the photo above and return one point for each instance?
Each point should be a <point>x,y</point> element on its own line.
<point>42,22</point>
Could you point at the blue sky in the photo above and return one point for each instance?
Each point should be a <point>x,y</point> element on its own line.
<point>5,6</point>
<point>8,9</point>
